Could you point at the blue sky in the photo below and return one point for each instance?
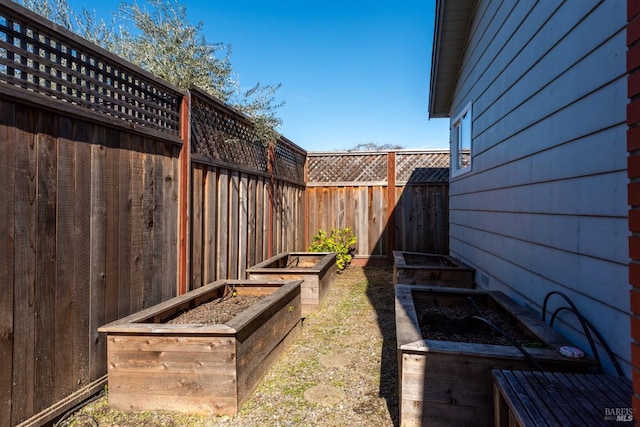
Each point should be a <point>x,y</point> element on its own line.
<point>352,71</point>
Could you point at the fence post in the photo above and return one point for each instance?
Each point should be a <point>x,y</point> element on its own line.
<point>391,203</point>
<point>183,205</point>
<point>305,197</point>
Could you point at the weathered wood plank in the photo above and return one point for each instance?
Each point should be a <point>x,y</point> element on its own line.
<point>198,404</point>
<point>276,318</point>
<point>243,226</point>
<point>136,238</point>
<point>528,398</point>
<point>259,221</point>
<point>197,201</point>
<point>45,259</point>
<point>148,227</point>
<point>112,224</point>
<point>82,250</point>
<point>248,383</point>
<point>234,223</point>
<point>252,224</point>
<point>222,248</point>
<point>210,225</point>
<point>172,384</point>
<point>65,252</point>
<point>361,232</point>
<point>124,225</point>
<point>97,285</point>
<point>159,234</point>
<point>171,268</point>
<point>152,348</point>
<point>8,145</point>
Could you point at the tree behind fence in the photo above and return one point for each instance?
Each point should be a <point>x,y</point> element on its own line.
<point>96,170</point>
<point>92,180</point>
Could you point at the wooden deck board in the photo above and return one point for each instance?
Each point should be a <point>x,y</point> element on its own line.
<point>541,398</point>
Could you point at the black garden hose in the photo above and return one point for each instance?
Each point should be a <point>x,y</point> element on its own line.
<point>581,319</point>
<point>592,328</point>
<point>513,342</point>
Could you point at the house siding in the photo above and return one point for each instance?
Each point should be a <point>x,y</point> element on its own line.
<point>544,206</point>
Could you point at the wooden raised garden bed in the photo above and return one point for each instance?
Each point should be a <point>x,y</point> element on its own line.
<point>316,269</point>
<point>201,368</point>
<point>415,268</point>
<point>443,382</point>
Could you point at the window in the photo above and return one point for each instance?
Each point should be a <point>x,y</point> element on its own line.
<point>461,143</point>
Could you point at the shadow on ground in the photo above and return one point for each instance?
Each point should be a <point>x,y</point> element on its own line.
<point>381,295</point>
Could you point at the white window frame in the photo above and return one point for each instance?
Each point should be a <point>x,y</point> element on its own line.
<point>461,136</point>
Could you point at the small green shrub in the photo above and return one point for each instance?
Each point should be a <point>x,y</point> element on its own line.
<point>343,242</point>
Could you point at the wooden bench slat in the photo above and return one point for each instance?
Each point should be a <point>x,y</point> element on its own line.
<point>554,398</point>
<point>557,398</point>
<point>547,415</point>
<point>576,398</point>
<point>620,388</point>
<point>513,391</point>
<point>500,383</point>
<point>594,395</point>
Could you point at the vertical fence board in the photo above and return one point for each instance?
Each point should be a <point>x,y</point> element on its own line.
<point>82,265</point>
<point>25,266</point>
<point>172,223</point>
<point>362,234</point>
<point>159,235</point>
<point>260,214</point>
<point>252,222</point>
<point>45,259</point>
<point>97,286</point>
<point>210,225</point>
<point>124,225</point>
<point>243,219</point>
<point>7,229</point>
<point>275,219</point>
<point>65,252</point>
<point>197,179</point>
<point>222,248</point>
<point>137,219</point>
<point>234,200</point>
<point>112,223</point>
<point>148,200</point>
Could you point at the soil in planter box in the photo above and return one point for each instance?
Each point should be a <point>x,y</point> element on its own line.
<point>427,260</point>
<point>456,323</point>
<point>217,311</point>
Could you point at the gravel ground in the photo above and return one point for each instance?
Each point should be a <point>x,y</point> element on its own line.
<point>456,323</point>
<point>340,371</point>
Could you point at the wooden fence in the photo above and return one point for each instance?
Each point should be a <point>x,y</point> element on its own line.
<point>391,200</point>
<point>241,213</point>
<point>97,173</point>
<point>120,191</point>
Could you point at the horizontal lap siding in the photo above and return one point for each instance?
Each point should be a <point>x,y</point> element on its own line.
<point>545,207</point>
<point>92,233</point>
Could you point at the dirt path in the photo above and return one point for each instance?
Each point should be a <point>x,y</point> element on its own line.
<point>340,371</point>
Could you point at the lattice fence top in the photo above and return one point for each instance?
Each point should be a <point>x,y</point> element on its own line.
<point>422,167</point>
<point>221,133</point>
<point>412,167</point>
<point>347,167</point>
<point>66,68</point>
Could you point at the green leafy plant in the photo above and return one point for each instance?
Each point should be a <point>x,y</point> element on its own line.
<point>340,241</point>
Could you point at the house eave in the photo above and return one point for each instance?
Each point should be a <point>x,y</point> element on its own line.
<point>452,23</point>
